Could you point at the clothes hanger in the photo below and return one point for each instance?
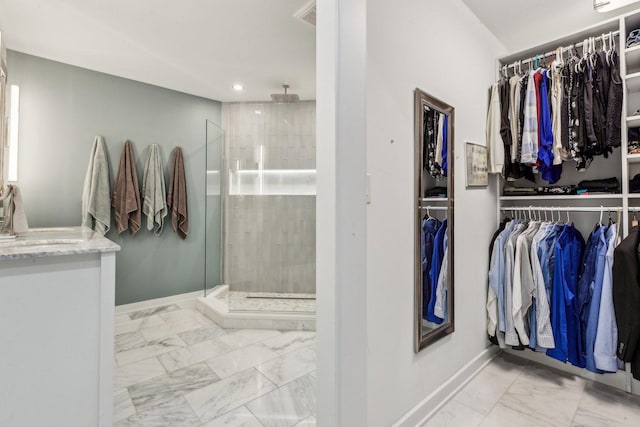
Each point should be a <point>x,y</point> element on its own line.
<point>601,213</point>
<point>634,223</point>
<point>612,48</point>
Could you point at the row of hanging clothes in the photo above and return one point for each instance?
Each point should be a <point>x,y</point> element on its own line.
<point>435,142</point>
<point>435,254</point>
<point>566,109</point>
<point>551,290</point>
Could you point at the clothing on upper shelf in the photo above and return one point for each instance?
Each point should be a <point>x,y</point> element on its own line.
<point>604,185</point>
<point>550,292</point>
<point>435,142</point>
<point>570,111</point>
<point>634,184</point>
<point>436,192</point>
<point>434,270</point>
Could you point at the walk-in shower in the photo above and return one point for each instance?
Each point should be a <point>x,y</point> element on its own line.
<point>266,203</point>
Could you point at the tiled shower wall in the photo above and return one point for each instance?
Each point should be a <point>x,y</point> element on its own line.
<point>269,238</point>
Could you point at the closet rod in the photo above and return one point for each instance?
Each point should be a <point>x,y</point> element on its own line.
<point>564,49</point>
<point>563,209</point>
<point>434,208</point>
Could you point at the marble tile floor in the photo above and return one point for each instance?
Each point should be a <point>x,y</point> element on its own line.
<point>175,367</point>
<point>514,392</point>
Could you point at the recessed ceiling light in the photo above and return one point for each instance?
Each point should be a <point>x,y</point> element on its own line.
<point>238,87</point>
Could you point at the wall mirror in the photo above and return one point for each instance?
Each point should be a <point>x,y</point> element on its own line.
<point>434,172</point>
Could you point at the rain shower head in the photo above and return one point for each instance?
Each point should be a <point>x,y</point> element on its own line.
<point>285,97</point>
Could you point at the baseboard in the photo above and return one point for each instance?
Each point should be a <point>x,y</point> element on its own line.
<point>616,380</point>
<point>424,410</point>
<point>173,299</point>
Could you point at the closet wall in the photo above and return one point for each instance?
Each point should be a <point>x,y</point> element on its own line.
<point>62,108</point>
<point>443,49</point>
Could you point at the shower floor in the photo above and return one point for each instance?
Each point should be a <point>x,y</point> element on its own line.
<point>259,310</point>
<point>269,301</point>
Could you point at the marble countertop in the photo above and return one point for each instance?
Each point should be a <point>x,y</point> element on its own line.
<point>43,242</point>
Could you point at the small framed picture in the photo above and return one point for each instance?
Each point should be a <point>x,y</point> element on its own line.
<point>477,171</point>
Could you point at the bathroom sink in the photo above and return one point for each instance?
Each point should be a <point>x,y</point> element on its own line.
<point>18,242</point>
<point>45,237</point>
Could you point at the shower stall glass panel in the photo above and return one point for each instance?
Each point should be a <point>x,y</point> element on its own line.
<point>213,206</point>
<point>269,206</point>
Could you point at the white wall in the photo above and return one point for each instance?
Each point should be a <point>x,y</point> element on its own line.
<point>443,49</point>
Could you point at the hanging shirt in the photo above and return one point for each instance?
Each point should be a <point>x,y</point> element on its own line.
<point>434,272</point>
<point>626,276</point>
<point>529,149</point>
<point>542,321</point>
<point>514,115</point>
<point>440,307</point>
<point>564,321</point>
<point>494,144</point>
<point>604,351</point>
<point>548,171</point>
<point>430,227</point>
<point>440,126</point>
<point>596,295</point>
<point>511,336</point>
<point>523,281</point>
<point>560,127</point>
<point>586,288</point>
<point>496,292</point>
<point>614,103</point>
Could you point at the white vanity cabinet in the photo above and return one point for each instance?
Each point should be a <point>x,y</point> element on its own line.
<point>57,290</point>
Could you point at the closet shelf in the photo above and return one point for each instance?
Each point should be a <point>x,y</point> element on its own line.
<point>633,82</point>
<point>633,158</point>
<point>434,199</point>
<point>632,56</point>
<point>634,196</point>
<point>633,121</point>
<point>568,197</point>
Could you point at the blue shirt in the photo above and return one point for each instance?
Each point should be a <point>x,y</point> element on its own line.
<point>564,319</point>
<point>589,291</point>
<point>434,271</point>
<point>429,229</point>
<point>548,171</point>
<point>604,351</point>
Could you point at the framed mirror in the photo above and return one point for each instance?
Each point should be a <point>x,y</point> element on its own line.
<point>434,227</point>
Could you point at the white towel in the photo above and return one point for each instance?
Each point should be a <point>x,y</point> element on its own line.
<point>15,220</point>
<point>96,193</point>
<point>154,191</point>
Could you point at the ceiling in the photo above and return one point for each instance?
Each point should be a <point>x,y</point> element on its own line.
<point>521,24</point>
<point>201,47</point>
<point>207,47</point>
